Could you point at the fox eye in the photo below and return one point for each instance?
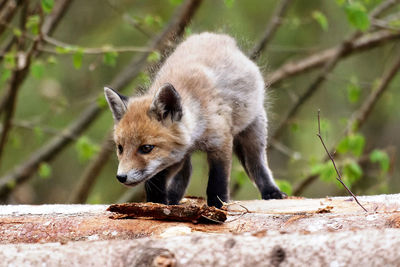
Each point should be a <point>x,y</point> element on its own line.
<point>120,149</point>
<point>145,149</point>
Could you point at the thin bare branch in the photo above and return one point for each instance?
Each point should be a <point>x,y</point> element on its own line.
<point>339,176</point>
<point>365,42</point>
<point>7,13</point>
<point>379,10</point>
<point>359,117</point>
<point>50,150</point>
<point>59,10</point>
<point>272,27</point>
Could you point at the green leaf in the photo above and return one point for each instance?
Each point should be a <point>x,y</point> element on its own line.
<point>11,184</point>
<point>32,24</point>
<point>143,78</point>
<point>284,186</point>
<point>110,58</point>
<point>101,101</point>
<point>294,127</point>
<point>381,157</point>
<point>10,60</point>
<point>44,170</point>
<point>85,148</point>
<point>241,178</point>
<point>52,60</point>
<point>325,126</point>
<point>17,32</point>
<point>154,56</point>
<point>357,15</point>
<point>395,24</point>
<point>176,2</point>
<point>229,3</point>
<point>63,50</point>
<point>353,143</point>
<point>37,69</point>
<point>47,5</point>
<point>5,75</point>
<point>153,20</point>
<point>15,140</point>
<point>321,19</point>
<point>352,172</point>
<point>340,2</point>
<point>353,90</point>
<point>325,171</point>
<point>38,132</point>
<point>77,59</point>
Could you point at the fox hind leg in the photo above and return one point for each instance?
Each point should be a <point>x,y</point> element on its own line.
<point>250,147</point>
<point>179,183</point>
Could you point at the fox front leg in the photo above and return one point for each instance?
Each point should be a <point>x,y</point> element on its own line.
<point>156,188</point>
<point>218,180</point>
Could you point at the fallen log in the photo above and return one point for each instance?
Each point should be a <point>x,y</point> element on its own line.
<point>327,231</point>
<point>345,248</point>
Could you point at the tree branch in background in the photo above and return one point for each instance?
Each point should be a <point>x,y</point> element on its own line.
<point>172,32</point>
<point>50,150</point>
<point>7,13</point>
<point>315,85</point>
<point>59,10</point>
<point>359,117</point>
<point>21,71</point>
<point>344,48</point>
<point>367,41</point>
<point>339,176</point>
<point>272,27</point>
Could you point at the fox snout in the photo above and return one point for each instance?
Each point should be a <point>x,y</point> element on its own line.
<point>132,177</point>
<point>122,178</point>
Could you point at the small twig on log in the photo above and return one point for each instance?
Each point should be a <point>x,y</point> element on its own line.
<point>272,27</point>
<point>339,176</point>
<point>183,213</point>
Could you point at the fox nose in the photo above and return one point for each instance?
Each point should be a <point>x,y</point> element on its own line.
<point>122,177</point>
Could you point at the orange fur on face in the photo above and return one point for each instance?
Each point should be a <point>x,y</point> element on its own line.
<point>137,128</point>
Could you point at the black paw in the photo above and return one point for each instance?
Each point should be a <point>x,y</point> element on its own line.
<point>214,202</point>
<point>275,194</point>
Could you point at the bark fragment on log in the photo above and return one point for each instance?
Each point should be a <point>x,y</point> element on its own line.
<point>181,213</point>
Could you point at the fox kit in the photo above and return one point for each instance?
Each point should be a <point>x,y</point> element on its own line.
<point>207,96</point>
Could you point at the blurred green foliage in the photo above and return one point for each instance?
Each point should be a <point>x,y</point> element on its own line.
<point>67,78</point>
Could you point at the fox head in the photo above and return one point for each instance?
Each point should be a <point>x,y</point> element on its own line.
<point>147,133</point>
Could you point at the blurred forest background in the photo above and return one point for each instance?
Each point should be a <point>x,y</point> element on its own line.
<point>339,56</point>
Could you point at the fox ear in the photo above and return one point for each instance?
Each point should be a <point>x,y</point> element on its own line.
<point>166,104</point>
<point>118,103</point>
